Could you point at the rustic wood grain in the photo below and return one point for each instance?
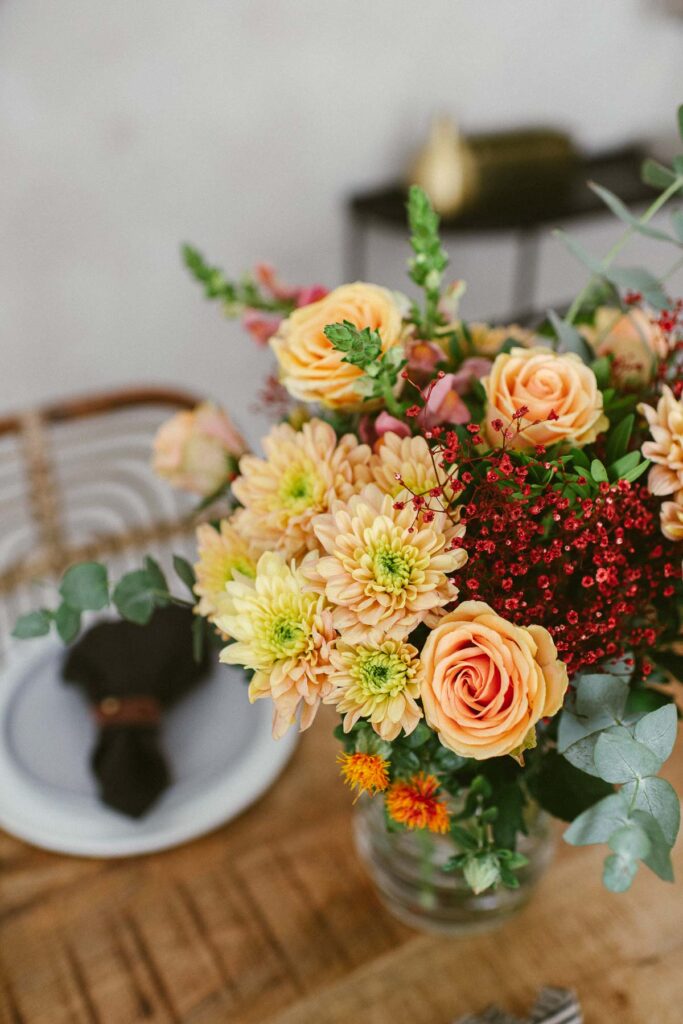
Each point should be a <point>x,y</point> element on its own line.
<point>272,919</point>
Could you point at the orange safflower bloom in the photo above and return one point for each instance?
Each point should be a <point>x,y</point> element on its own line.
<point>367,773</point>
<point>413,803</point>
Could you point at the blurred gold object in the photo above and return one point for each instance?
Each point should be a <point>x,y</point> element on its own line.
<point>445,168</point>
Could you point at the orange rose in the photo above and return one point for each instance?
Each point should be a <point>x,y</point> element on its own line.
<point>559,393</point>
<point>310,367</point>
<point>485,682</point>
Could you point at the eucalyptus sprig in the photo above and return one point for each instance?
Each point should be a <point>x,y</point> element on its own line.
<point>429,262</point>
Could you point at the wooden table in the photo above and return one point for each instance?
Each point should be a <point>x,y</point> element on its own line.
<point>272,919</point>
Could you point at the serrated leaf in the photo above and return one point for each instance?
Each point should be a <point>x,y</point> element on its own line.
<point>656,797</point>
<point>85,587</point>
<point>185,572</point>
<point>658,731</point>
<point>33,624</point>
<point>135,597</point>
<point>598,823</point>
<point>619,872</point>
<point>67,622</point>
<point>620,758</point>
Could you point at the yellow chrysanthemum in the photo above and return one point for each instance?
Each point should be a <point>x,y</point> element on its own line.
<point>404,465</point>
<point>383,573</point>
<point>303,472</point>
<point>366,773</point>
<point>378,683</point>
<point>223,553</point>
<point>283,634</point>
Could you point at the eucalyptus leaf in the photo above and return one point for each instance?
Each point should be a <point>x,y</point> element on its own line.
<point>578,251</point>
<point>656,174</point>
<point>638,279</point>
<point>658,731</point>
<point>67,622</point>
<point>85,587</point>
<point>624,214</point>
<point>620,758</point>
<point>677,224</point>
<point>619,872</point>
<point>582,754</point>
<point>33,624</point>
<point>597,824</point>
<point>656,797</point>
<point>630,841</point>
<point>569,339</point>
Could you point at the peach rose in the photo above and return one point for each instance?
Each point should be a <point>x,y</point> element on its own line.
<point>310,367</point>
<point>671,517</point>
<point>559,390</point>
<point>631,338</point>
<point>194,450</point>
<point>485,682</point>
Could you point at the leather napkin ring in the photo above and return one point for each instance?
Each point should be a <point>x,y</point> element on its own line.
<point>128,711</point>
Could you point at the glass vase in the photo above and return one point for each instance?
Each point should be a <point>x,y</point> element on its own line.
<point>406,867</point>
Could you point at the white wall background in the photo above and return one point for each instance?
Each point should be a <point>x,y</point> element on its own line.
<point>128,126</point>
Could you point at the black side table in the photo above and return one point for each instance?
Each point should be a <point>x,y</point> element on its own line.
<point>526,213</point>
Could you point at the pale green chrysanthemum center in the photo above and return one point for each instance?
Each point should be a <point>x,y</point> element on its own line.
<point>244,566</point>
<point>393,567</point>
<point>300,488</point>
<point>287,636</point>
<point>378,673</point>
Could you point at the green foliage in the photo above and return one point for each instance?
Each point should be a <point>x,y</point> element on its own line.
<point>563,790</point>
<point>185,572</point>
<point>32,624</point>
<point>137,594</point>
<point>430,259</point>
<point>363,348</point>
<point>67,622</point>
<point>85,587</point>
<point>569,339</point>
<point>599,736</point>
<point>235,295</point>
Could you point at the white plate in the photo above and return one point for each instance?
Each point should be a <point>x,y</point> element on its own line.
<point>220,750</point>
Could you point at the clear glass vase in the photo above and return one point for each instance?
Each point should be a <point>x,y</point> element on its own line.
<point>406,868</point>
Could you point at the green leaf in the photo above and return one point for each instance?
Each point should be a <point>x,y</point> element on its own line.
<point>578,251</point>
<point>630,842</point>
<point>677,224</point>
<point>360,347</point>
<point>85,587</point>
<point>156,574</point>
<point>679,113</point>
<point>482,872</point>
<point>509,821</point>
<point>135,596</point>
<point>67,622</point>
<point>619,438</point>
<point>464,839</point>
<point>624,214</point>
<point>569,338</point>
<point>32,624</point>
<point>185,572</point>
<point>657,731</point>
<point>598,471</point>
<point>619,872</point>
<point>602,369</point>
<point>657,175</point>
<point>620,758</point>
<point>598,823</point>
<point>637,471</point>
<point>656,797</point>
<point>659,858</point>
<point>600,702</point>
<point>625,464</point>
<point>638,279</point>
<point>418,736</point>
<point>582,754</point>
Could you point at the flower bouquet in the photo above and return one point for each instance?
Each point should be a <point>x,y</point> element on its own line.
<point>467,540</point>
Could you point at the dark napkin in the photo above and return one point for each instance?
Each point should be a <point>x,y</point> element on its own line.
<point>130,675</point>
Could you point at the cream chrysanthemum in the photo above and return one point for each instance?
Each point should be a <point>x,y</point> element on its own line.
<point>377,683</point>
<point>666,448</point>
<point>303,472</point>
<point>382,572</point>
<point>223,553</point>
<point>283,633</point>
<point>404,465</point>
<point>671,517</point>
